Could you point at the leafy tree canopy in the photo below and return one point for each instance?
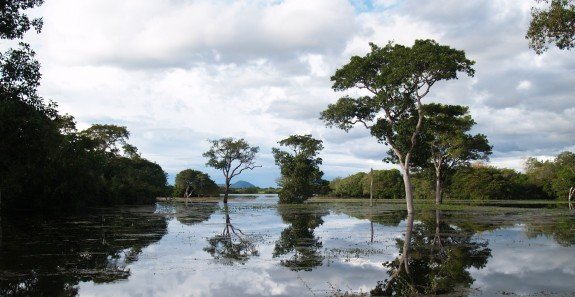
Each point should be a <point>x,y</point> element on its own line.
<point>300,173</point>
<point>397,78</point>
<point>14,23</point>
<point>108,138</point>
<point>232,157</point>
<point>194,183</point>
<point>553,24</point>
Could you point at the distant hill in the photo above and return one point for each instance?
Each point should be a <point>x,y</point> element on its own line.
<point>241,184</point>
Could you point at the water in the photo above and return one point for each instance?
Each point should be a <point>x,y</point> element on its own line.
<point>256,248</point>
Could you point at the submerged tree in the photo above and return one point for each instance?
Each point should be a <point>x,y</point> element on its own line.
<point>300,173</point>
<point>554,24</point>
<point>232,157</point>
<point>396,78</point>
<point>191,183</point>
<point>445,134</point>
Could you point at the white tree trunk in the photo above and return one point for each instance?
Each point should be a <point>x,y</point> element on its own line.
<point>408,189</point>
<point>371,188</point>
<point>571,193</point>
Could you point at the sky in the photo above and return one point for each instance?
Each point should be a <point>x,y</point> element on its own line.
<point>179,72</point>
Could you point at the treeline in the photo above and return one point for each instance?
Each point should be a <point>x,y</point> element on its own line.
<point>46,167</point>
<point>194,183</point>
<point>542,180</point>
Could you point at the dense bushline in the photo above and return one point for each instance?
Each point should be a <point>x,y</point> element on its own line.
<point>542,180</point>
<point>387,184</point>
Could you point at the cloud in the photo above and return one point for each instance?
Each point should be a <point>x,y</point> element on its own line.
<point>179,72</point>
<point>165,33</point>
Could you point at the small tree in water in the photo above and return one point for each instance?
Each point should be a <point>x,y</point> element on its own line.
<point>300,174</point>
<point>397,78</point>
<point>232,157</point>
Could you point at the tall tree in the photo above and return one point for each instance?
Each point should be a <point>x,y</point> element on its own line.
<point>397,78</point>
<point>554,24</point>
<point>232,157</point>
<point>446,128</point>
<point>300,173</point>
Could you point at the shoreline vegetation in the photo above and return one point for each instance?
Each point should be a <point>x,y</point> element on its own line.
<point>376,202</point>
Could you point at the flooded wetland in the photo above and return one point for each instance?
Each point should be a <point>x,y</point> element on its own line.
<point>255,247</point>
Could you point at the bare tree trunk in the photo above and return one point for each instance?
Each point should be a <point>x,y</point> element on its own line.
<point>227,191</point>
<point>371,188</point>
<point>438,186</point>
<point>571,192</point>
<point>407,241</point>
<point>437,239</point>
<point>408,189</point>
<point>371,223</point>
<point>0,219</point>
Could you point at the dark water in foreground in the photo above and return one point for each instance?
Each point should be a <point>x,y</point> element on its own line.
<point>256,248</point>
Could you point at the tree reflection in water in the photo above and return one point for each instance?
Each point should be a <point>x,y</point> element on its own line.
<point>48,256</point>
<point>195,213</point>
<point>232,245</point>
<point>299,237</point>
<point>434,259</point>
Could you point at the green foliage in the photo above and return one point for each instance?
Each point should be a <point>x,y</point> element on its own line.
<point>351,186</point>
<point>489,183</point>
<point>554,177</point>
<point>108,138</point>
<point>14,22</point>
<point>446,128</point>
<point>194,183</point>
<point>299,167</point>
<point>134,181</point>
<point>397,78</point>
<point>446,144</point>
<point>554,24</point>
<point>387,184</point>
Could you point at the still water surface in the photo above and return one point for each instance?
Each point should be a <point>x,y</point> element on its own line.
<point>254,247</point>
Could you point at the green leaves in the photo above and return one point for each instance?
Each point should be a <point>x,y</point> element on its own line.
<point>394,70</point>
<point>300,173</point>
<point>554,24</point>
<point>232,157</point>
<point>15,23</point>
<point>197,182</point>
<point>397,78</point>
<point>109,138</point>
<point>556,176</point>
